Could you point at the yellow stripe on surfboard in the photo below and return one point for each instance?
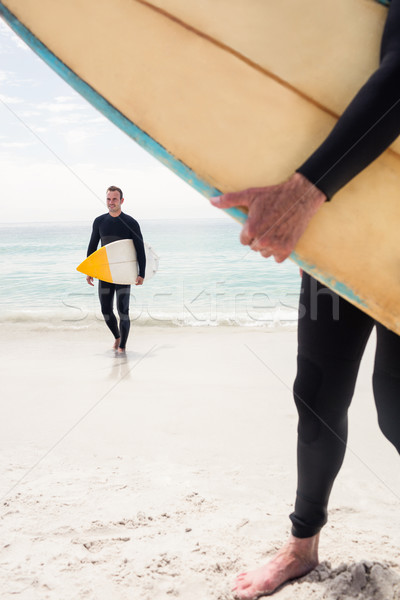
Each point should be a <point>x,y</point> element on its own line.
<point>97,265</point>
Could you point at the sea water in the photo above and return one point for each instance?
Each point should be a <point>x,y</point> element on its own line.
<point>205,278</point>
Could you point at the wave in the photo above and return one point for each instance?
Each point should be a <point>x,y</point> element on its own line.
<point>278,317</point>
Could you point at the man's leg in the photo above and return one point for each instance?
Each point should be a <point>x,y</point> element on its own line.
<point>332,336</point>
<point>123,297</point>
<point>106,296</point>
<point>386,382</point>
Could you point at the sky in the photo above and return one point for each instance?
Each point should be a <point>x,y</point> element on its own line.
<point>58,154</point>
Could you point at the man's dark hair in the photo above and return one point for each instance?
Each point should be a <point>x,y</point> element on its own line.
<point>113,188</point>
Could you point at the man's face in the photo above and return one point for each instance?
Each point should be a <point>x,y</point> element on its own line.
<point>114,202</point>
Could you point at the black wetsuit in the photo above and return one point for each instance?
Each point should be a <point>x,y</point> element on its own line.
<point>332,333</point>
<point>110,229</point>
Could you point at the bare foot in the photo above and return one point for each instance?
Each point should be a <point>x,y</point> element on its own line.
<point>297,558</point>
<point>121,350</point>
<point>116,343</point>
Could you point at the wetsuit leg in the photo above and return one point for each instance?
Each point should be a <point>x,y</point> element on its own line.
<point>123,296</point>
<point>386,383</point>
<point>106,296</point>
<point>332,335</point>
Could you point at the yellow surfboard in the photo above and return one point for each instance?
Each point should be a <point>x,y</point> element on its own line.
<point>237,93</point>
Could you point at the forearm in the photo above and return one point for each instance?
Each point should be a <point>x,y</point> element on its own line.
<point>140,252</point>
<point>141,258</point>
<point>94,241</point>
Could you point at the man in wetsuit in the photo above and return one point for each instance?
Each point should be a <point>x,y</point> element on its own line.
<point>110,227</point>
<point>329,349</point>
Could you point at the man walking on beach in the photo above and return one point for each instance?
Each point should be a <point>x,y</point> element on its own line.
<point>110,227</point>
<point>329,348</point>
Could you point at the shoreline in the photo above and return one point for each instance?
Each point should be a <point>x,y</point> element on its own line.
<point>275,319</point>
<point>163,473</point>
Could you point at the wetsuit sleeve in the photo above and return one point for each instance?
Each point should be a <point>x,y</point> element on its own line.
<point>139,247</point>
<point>94,238</point>
<point>369,124</point>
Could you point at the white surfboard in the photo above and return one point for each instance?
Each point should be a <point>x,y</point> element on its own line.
<point>117,263</point>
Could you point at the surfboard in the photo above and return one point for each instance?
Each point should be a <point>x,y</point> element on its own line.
<point>232,94</point>
<point>117,263</point>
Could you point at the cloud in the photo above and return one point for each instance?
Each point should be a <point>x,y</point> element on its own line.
<point>50,191</point>
<point>15,144</point>
<point>66,98</point>
<point>28,113</point>
<point>38,129</point>
<point>66,112</point>
<point>78,136</point>
<point>67,119</point>
<point>10,99</point>
<point>10,39</point>
<point>61,107</point>
<point>11,79</point>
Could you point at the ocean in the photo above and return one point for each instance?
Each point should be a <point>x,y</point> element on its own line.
<point>205,278</point>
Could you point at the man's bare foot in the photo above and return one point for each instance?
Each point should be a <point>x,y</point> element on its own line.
<point>116,343</point>
<point>121,350</point>
<point>297,558</point>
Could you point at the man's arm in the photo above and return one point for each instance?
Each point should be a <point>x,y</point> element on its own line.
<point>94,238</point>
<point>140,253</point>
<point>369,124</point>
<point>278,215</point>
<point>93,243</point>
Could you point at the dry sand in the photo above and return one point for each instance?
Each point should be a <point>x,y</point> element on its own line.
<point>163,473</point>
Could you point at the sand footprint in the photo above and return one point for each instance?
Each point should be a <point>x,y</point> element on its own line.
<point>98,545</point>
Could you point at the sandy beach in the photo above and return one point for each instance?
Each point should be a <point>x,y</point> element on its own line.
<point>163,473</point>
